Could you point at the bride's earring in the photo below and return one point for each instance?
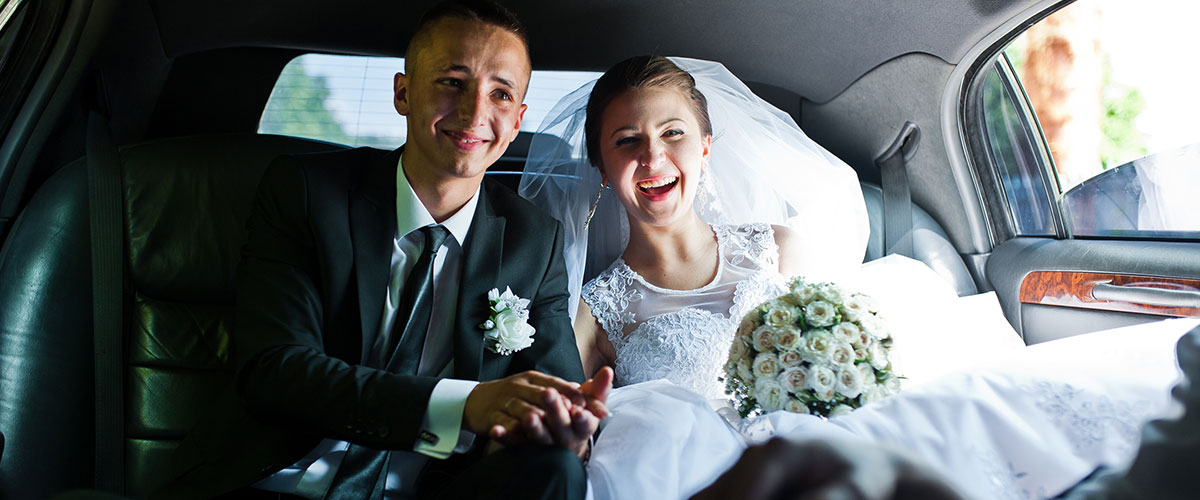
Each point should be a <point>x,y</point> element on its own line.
<point>706,203</point>
<point>702,190</point>
<point>592,211</point>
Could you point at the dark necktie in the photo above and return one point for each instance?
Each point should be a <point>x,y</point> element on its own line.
<point>416,305</point>
<point>361,474</point>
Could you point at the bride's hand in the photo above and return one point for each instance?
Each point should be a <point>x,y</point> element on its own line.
<point>596,391</point>
<point>572,424</point>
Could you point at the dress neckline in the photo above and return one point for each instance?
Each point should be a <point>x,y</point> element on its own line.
<point>673,291</point>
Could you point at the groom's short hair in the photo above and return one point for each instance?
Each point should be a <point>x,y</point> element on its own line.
<point>484,11</point>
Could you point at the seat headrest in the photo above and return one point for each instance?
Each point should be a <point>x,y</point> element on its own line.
<point>186,202</point>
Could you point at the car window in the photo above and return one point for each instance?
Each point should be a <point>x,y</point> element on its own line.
<point>348,99</point>
<point>1009,131</point>
<point>1113,100</point>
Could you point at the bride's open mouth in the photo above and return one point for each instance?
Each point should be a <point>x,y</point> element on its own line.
<point>658,186</point>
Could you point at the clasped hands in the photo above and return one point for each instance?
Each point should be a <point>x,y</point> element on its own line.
<point>539,408</point>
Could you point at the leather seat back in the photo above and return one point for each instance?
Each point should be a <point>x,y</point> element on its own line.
<point>930,243</point>
<point>185,205</point>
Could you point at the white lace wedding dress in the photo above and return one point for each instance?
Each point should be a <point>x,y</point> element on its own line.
<point>1001,420</point>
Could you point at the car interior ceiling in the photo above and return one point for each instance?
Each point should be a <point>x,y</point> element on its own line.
<point>183,100</point>
<point>178,77</point>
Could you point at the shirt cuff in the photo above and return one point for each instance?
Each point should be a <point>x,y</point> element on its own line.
<point>441,428</point>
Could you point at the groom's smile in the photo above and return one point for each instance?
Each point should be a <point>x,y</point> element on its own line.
<point>462,98</point>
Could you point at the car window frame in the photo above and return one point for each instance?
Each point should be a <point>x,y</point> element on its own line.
<point>991,192</point>
<point>987,173</point>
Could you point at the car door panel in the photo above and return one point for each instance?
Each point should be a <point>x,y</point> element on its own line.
<point>1048,287</point>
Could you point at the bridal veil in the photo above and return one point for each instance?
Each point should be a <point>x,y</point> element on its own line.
<point>762,168</point>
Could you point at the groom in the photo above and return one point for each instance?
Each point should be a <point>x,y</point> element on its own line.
<point>364,291</point>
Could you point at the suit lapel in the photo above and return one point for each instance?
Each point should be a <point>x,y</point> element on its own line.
<point>482,255</point>
<point>373,232</point>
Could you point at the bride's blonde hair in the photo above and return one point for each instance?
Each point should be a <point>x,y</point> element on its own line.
<point>637,73</point>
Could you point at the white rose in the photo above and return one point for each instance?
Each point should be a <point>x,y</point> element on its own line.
<point>826,395</point>
<point>739,349</point>
<point>821,379</point>
<point>849,382</point>
<point>842,353</point>
<point>766,365</point>
<point>787,338</point>
<point>745,370</point>
<point>780,314</point>
<point>871,395</point>
<point>861,353</point>
<point>879,356</point>
<point>788,359</point>
<point>855,307</point>
<point>795,406</point>
<point>511,333</point>
<point>746,328</point>
<point>769,394</point>
<point>867,373</point>
<point>874,325</point>
<point>863,339</point>
<point>803,294</point>
<point>820,343</point>
<point>820,313</point>
<point>794,379</point>
<point>830,293</point>
<point>840,410</point>
<point>764,339</point>
<point>892,385</point>
<point>846,331</point>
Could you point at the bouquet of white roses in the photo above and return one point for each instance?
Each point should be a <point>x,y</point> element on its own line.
<point>816,349</point>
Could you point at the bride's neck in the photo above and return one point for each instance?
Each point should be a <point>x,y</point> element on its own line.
<point>687,242</point>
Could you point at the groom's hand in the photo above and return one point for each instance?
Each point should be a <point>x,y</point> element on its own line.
<point>514,409</point>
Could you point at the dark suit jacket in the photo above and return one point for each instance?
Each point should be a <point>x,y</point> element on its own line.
<point>310,296</point>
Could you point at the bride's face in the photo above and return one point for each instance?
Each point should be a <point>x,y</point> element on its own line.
<point>652,151</point>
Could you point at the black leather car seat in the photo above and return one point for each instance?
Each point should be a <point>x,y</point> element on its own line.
<point>185,202</point>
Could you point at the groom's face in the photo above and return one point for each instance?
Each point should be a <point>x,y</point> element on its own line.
<point>462,98</point>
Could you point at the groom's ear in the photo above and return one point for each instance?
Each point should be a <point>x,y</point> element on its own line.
<point>400,93</point>
<point>520,119</point>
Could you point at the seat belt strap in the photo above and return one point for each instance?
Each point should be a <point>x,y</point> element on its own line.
<point>104,208</point>
<point>897,198</point>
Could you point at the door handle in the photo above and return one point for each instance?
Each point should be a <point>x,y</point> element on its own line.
<point>1146,295</point>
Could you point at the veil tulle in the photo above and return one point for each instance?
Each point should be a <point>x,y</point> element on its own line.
<point>762,168</point>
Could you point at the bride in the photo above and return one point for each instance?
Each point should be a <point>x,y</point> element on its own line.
<point>708,198</point>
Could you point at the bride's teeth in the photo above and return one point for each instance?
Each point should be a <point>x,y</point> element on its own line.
<point>656,183</point>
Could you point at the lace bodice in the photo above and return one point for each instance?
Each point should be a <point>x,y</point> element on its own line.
<point>684,335</point>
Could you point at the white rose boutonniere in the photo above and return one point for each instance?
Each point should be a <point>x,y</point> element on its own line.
<point>507,330</point>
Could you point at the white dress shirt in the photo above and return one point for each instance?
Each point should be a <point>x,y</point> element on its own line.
<point>441,430</point>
